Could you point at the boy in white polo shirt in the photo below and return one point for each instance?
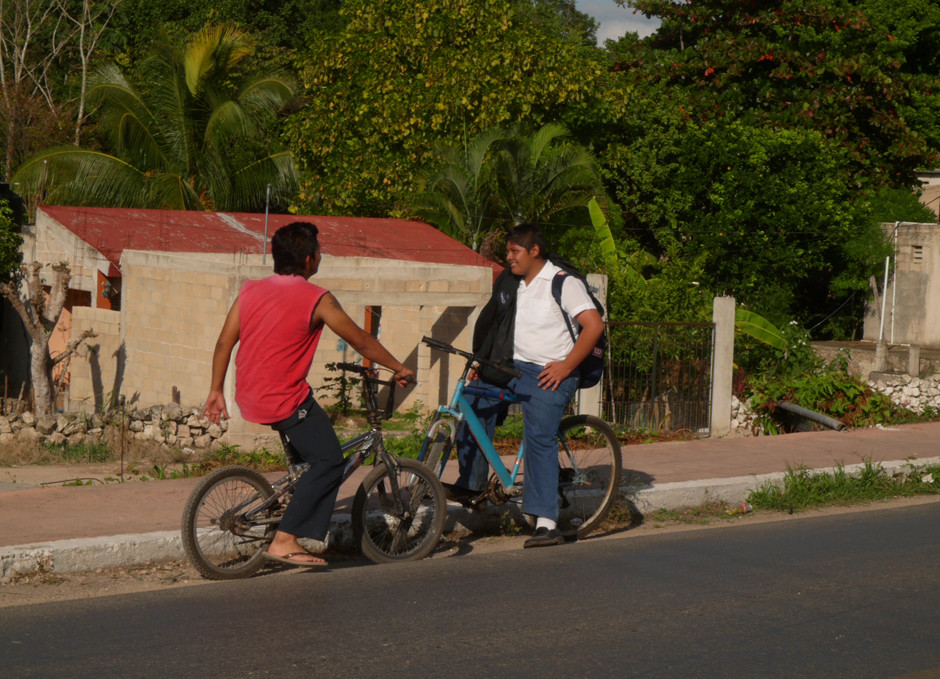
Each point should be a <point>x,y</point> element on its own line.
<point>548,358</point>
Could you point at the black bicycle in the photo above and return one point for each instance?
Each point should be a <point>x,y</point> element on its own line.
<point>398,513</point>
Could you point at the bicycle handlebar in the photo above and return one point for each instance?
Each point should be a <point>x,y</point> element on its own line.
<point>369,382</point>
<point>451,349</point>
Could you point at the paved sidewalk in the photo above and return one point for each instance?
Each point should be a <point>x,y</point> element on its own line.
<point>70,529</point>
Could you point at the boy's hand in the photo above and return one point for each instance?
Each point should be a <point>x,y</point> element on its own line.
<point>215,407</point>
<point>404,377</point>
<point>553,375</point>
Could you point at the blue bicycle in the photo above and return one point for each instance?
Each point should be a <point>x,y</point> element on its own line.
<point>588,454</point>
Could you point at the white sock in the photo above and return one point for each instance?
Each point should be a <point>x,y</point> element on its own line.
<point>542,522</point>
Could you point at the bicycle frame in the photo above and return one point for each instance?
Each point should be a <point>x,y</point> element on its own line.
<point>370,444</point>
<point>459,408</point>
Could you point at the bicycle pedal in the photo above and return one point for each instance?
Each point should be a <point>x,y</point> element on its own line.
<point>476,502</point>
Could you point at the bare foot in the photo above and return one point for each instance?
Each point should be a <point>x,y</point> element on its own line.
<point>285,548</point>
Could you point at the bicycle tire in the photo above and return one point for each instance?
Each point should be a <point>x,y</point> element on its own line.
<point>215,544</point>
<point>589,473</point>
<point>385,537</point>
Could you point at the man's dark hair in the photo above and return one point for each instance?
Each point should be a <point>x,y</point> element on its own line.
<point>528,236</point>
<point>291,245</point>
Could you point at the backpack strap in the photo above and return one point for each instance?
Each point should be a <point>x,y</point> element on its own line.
<point>557,281</point>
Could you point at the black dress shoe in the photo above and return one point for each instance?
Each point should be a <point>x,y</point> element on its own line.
<point>544,537</point>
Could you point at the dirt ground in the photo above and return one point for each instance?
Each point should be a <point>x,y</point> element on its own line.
<point>49,587</point>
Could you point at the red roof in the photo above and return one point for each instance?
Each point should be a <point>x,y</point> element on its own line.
<point>110,231</point>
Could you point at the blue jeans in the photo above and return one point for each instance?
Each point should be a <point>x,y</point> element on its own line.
<point>542,411</point>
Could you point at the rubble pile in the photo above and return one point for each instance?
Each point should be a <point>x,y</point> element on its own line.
<point>170,425</point>
<point>913,393</point>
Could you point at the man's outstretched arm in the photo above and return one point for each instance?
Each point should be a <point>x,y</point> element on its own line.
<point>330,313</point>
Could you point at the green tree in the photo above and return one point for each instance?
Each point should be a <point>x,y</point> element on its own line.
<point>10,242</point>
<point>566,15</point>
<point>802,64</point>
<point>913,31</point>
<point>767,216</point>
<point>194,139</point>
<point>899,205</point>
<point>282,24</point>
<point>403,75</point>
<point>506,177</point>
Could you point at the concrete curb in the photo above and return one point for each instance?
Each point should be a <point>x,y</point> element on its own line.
<point>86,554</point>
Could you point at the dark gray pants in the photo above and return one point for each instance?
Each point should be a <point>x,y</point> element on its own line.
<point>314,441</point>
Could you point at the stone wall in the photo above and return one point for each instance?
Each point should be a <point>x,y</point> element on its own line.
<point>169,425</point>
<point>914,393</point>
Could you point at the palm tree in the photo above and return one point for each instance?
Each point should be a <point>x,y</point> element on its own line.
<point>193,140</point>
<point>542,175</point>
<point>456,194</point>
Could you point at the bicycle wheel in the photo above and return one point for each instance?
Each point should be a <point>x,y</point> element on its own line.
<point>388,534</point>
<point>217,538</point>
<point>589,473</point>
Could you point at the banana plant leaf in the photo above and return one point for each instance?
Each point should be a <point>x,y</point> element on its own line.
<point>759,328</point>
<point>602,229</point>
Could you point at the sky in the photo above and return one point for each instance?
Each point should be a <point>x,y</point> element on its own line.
<point>615,20</point>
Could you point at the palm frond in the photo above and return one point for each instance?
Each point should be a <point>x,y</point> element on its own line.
<point>72,176</point>
<point>266,95</point>
<point>169,191</point>
<point>249,184</point>
<point>131,125</point>
<point>216,50</point>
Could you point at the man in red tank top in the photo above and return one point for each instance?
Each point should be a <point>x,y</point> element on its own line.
<point>277,324</point>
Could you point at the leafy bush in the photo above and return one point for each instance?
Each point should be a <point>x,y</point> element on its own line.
<point>799,357</point>
<point>828,389</point>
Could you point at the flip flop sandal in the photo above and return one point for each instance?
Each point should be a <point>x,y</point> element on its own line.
<point>286,560</point>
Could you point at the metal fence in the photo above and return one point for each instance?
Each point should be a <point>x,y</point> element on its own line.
<point>659,376</point>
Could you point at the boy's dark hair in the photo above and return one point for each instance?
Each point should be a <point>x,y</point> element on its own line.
<point>528,236</point>
<point>291,245</point>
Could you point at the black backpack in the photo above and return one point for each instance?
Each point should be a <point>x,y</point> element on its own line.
<point>592,367</point>
<point>493,332</point>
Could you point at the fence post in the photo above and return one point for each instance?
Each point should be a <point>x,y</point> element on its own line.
<point>722,365</point>
<point>589,400</point>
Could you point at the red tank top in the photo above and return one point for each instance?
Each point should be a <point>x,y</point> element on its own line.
<point>275,347</point>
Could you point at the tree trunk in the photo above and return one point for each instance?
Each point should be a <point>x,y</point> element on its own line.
<point>41,368</point>
<point>40,315</point>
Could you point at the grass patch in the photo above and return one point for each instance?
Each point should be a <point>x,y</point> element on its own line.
<point>804,489</point>
<point>262,460</point>
<point>74,453</point>
<point>700,516</point>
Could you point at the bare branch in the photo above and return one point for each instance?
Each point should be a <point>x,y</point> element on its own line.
<point>89,26</point>
<point>73,346</point>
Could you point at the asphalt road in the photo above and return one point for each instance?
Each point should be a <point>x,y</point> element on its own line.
<point>851,595</point>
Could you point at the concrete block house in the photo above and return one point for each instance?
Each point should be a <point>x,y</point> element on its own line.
<point>155,285</point>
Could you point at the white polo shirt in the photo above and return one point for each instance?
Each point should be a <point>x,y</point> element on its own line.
<point>541,335</point>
